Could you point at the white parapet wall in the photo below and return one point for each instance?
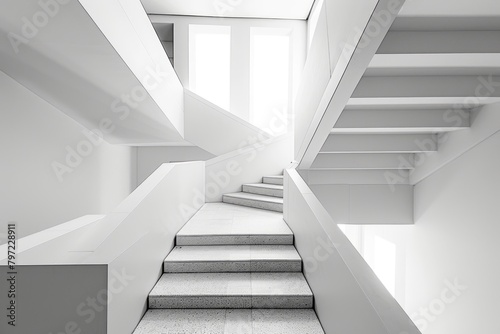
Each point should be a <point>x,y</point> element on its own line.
<point>96,277</point>
<point>349,298</point>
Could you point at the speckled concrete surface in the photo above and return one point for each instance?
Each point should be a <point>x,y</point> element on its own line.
<point>244,278</point>
<point>255,201</point>
<point>230,321</point>
<point>231,290</point>
<point>264,189</point>
<point>226,224</point>
<point>233,258</point>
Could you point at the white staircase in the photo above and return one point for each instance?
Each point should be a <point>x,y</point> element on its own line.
<point>267,195</point>
<point>234,270</point>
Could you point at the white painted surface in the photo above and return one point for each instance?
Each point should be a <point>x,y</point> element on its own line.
<point>470,88</point>
<point>228,172</point>
<point>156,211</point>
<point>425,37</point>
<point>39,238</point>
<point>366,204</point>
<point>281,9</point>
<point>363,161</point>
<point>314,80</point>
<point>402,121</point>
<point>240,51</point>
<point>132,240</point>
<point>456,236</point>
<point>87,80</point>
<point>142,52</point>
<point>484,123</point>
<point>345,288</point>
<point>434,64</point>
<point>34,135</point>
<point>150,158</point>
<point>381,143</point>
<point>347,66</point>
<point>215,130</point>
<point>454,240</point>
<point>451,8</point>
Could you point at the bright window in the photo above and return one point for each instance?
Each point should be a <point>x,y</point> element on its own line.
<point>384,263</point>
<point>210,62</point>
<point>269,78</point>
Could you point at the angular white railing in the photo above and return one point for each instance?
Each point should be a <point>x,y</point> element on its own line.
<point>216,130</point>
<point>97,278</point>
<point>349,297</point>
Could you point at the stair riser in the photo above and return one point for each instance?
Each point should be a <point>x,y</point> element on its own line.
<point>271,180</point>
<point>224,302</point>
<point>263,191</point>
<point>234,240</point>
<point>278,207</point>
<point>243,266</point>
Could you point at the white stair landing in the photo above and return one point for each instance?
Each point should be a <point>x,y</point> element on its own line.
<point>231,290</point>
<point>226,224</point>
<point>237,258</point>
<point>230,321</point>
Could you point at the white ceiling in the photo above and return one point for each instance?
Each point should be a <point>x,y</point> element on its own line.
<point>271,9</point>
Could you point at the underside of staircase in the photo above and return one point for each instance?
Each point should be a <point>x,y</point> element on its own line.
<point>234,270</point>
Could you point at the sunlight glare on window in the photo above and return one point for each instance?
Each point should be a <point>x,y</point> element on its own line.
<point>385,263</point>
<point>209,63</point>
<point>270,61</point>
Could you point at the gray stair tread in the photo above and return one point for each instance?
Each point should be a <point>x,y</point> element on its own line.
<point>233,253</point>
<point>214,220</point>
<point>265,185</point>
<point>255,197</point>
<point>231,284</point>
<point>217,321</point>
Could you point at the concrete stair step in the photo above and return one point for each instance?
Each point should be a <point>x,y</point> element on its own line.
<point>231,290</point>
<point>240,258</point>
<point>230,321</point>
<point>255,201</point>
<point>278,179</point>
<point>226,224</point>
<point>264,189</point>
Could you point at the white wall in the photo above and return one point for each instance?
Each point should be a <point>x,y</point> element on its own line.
<point>34,135</point>
<point>366,203</point>
<point>456,236</point>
